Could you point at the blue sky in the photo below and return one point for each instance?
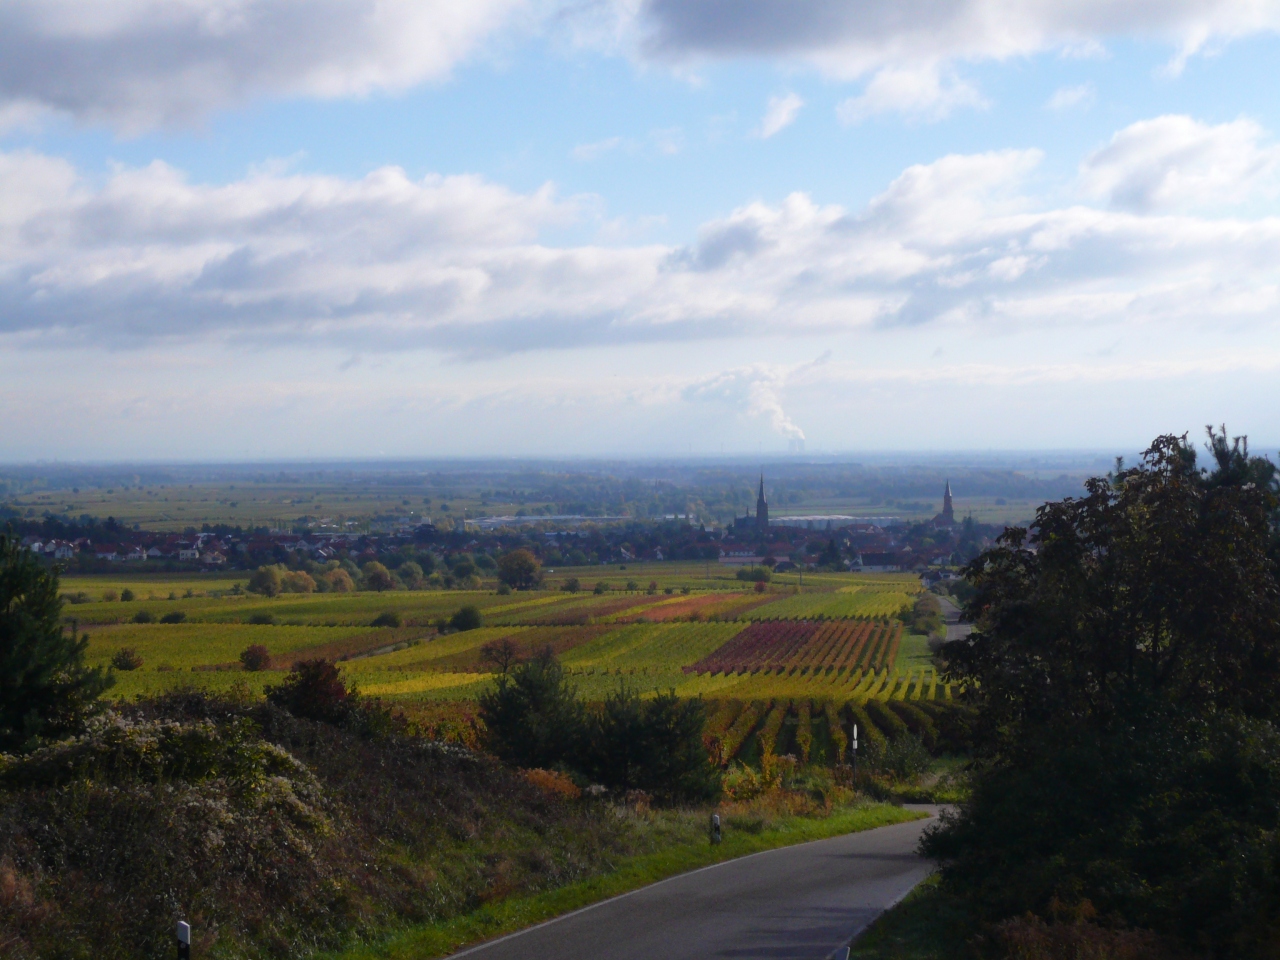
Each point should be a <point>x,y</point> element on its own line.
<point>246,228</point>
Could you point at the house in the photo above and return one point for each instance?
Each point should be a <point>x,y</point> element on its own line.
<point>878,562</point>
<point>739,557</point>
<point>106,553</point>
<point>155,553</point>
<point>212,559</point>
<point>188,552</point>
<point>136,553</point>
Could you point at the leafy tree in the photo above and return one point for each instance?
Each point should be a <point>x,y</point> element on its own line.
<point>600,587</point>
<point>314,690</point>
<point>532,716</point>
<point>388,618</point>
<point>572,585</point>
<point>255,657</point>
<point>467,618</point>
<point>1126,669</point>
<point>297,581</point>
<point>126,595</point>
<point>375,576</point>
<point>519,569</point>
<point>340,581</point>
<point>266,581</point>
<point>45,688</point>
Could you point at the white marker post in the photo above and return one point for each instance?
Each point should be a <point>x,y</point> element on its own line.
<point>184,940</point>
<point>854,748</point>
<point>715,828</point>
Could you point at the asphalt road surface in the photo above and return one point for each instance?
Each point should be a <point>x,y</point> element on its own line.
<point>797,903</point>
<point>951,616</point>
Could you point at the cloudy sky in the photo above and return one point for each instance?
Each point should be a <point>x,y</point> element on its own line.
<point>248,228</point>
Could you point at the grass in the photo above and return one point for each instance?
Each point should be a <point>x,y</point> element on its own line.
<point>924,926</point>
<point>688,853</point>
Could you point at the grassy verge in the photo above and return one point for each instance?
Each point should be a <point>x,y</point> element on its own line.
<point>507,916</point>
<point>924,926</point>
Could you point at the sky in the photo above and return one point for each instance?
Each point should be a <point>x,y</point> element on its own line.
<point>241,229</point>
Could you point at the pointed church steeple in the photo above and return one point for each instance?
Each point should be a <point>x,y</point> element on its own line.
<point>948,508</point>
<point>762,509</point>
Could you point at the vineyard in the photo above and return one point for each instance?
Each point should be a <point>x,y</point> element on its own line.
<point>782,670</point>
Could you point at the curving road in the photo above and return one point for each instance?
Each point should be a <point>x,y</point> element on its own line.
<point>802,902</point>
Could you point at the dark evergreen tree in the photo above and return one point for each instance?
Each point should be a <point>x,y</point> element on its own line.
<point>46,690</point>
<point>532,717</point>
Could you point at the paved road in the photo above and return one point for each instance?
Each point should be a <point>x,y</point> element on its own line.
<point>801,902</point>
<point>951,615</point>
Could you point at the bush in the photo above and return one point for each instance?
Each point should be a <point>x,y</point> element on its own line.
<point>126,658</point>
<point>255,657</point>
<point>126,595</point>
<point>572,585</point>
<point>904,758</point>
<point>262,619</point>
<point>144,616</point>
<point>296,581</point>
<point>504,589</point>
<point>600,587</point>
<point>173,616</point>
<point>758,575</point>
<point>760,587</point>
<point>467,618</point>
<point>632,586</point>
<point>388,618</point>
<point>553,784</point>
<point>375,576</point>
<point>314,690</point>
<point>110,596</point>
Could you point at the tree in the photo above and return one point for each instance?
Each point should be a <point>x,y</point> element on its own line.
<point>45,688</point>
<point>467,618</point>
<point>519,569</point>
<point>266,581</point>
<point>653,745</point>
<point>376,577</point>
<point>314,690</point>
<point>255,657</point>
<point>1126,669</point>
<point>501,654</point>
<point>339,581</point>
<point>532,717</point>
<point>297,581</point>
<point>572,585</point>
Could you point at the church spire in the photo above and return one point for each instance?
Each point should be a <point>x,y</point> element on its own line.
<point>762,509</point>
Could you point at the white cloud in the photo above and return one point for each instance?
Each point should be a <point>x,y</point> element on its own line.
<point>137,64</point>
<point>1064,98</point>
<point>592,151</point>
<point>854,39</point>
<point>916,91</point>
<point>1175,162</point>
<point>779,113</point>
<point>458,265</point>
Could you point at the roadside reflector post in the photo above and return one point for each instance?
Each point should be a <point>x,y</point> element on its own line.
<point>853,748</point>
<point>715,828</point>
<point>184,940</point>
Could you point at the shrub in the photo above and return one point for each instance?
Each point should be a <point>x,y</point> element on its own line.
<point>572,585</point>
<point>758,575</point>
<point>262,619</point>
<point>313,690</point>
<point>388,618</point>
<point>632,586</point>
<point>126,595</point>
<point>173,616</point>
<point>653,587</point>
<point>144,616</point>
<point>78,597</point>
<point>467,618</point>
<point>110,596</point>
<point>600,587</point>
<point>255,657</point>
<point>760,588</point>
<point>903,758</point>
<point>504,589</point>
<point>553,784</point>
<point>126,658</point>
